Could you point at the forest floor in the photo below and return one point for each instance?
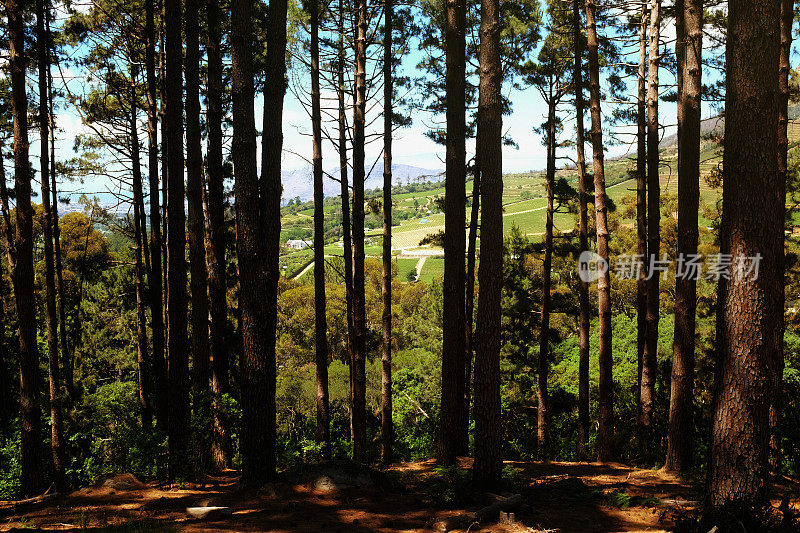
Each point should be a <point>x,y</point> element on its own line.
<point>552,497</point>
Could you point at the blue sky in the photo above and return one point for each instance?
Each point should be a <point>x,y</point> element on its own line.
<point>411,146</point>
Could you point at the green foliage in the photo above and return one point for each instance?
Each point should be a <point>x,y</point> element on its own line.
<point>10,467</point>
<point>619,499</point>
<point>110,438</point>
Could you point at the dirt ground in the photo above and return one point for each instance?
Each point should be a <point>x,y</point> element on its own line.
<point>563,497</point>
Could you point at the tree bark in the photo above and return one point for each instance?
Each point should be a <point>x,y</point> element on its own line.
<point>387,430</point>
<point>472,244</point>
<point>256,368</point>
<point>451,418</point>
<point>6,407</point>
<point>544,334</point>
<point>142,359</point>
<point>641,206</point>
<point>66,369</point>
<point>320,321</point>
<point>689,48</point>
<point>217,282</point>
<point>347,239</point>
<point>56,421</point>
<point>488,433</point>
<point>649,358</point>
<point>359,310</point>
<point>605,431</point>
<point>178,422</point>
<point>154,280</point>
<point>270,187</point>
<point>750,311</point>
<point>196,226</point>
<point>583,238</point>
<point>30,412</point>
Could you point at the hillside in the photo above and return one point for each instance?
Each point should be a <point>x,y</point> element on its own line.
<point>524,203</point>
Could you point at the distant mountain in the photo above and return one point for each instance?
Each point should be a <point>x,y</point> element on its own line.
<point>300,182</point>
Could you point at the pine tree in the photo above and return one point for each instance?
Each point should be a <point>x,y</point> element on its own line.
<point>750,311</point>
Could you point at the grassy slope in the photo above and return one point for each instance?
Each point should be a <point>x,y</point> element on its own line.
<point>524,202</point>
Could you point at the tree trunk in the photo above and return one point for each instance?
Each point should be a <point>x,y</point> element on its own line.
<point>6,403</point>
<point>787,19</point>
<point>217,282</point>
<point>451,421</point>
<point>649,358</point>
<point>689,48</point>
<point>544,333</point>
<point>56,422</point>
<point>605,430</point>
<point>583,238</point>
<point>320,319</point>
<point>387,430</point>
<point>488,432</point>
<point>641,207</point>
<point>164,189</point>
<point>178,423</point>
<point>347,239</point>
<point>750,311</point>
<point>66,369</point>
<point>256,368</point>
<point>159,367</point>
<point>194,196</point>
<point>139,236</point>
<point>270,187</point>
<point>470,298</point>
<point>359,310</point>
<point>30,413</point>
<point>6,408</point>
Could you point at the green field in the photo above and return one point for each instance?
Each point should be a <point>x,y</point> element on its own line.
<point>404,266</point>
<point>433,269</point>
<point>524,205</point>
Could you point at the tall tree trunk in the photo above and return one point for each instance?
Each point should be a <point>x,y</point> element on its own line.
<point>472,245</point>
<point>272,145</point>
<point>359,304</point>
<point>164,187</point>
<point>257,370</point>
<point>641,206</point>
<point>141,319</point>
<point>6,407</point>
<point>139,236</point>
<point>194,195</point>
<point>649,358</point>
<point>159,367</point>
<point>689,48</point>
<point>30,412</point>
<point>347,239</point>
<point>488,433</point>
<point>583,237</point>
<point>196,233</point>
<point>605,430</point>
<point>320,318</point>
<point>66,368</point>
<point>787,19</point>
<point>217,282</point>
<point>387,430</point>
<point>56,422</point>
<point>178,424</point>
<point>451,420</point>
<point>544,333</point>
<point>750,321</point>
